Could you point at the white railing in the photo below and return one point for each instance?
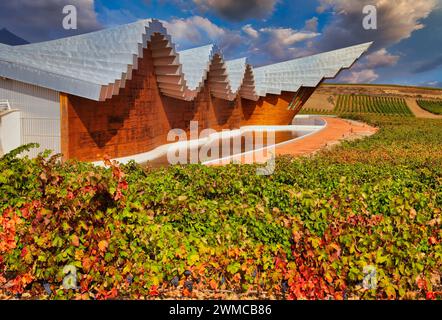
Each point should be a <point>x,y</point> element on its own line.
<point>5,105</point>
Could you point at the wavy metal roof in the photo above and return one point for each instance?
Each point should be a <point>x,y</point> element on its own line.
<point>96,65</point>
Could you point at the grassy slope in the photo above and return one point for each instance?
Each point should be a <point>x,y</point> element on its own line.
<point>406,141</point>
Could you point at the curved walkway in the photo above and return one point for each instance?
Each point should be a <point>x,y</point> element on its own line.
<point>419,112</point>
<point>337,129</point>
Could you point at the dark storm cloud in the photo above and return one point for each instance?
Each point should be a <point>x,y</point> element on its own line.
<point>395,22</point>
<point>238,10</point>
<point>39,20</point>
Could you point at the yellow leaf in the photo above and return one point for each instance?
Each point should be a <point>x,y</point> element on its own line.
<point>192,259</point>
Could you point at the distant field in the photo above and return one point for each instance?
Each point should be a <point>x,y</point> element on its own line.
<point>381,86</point>
<point>431,105</point>
<point>366,104</point>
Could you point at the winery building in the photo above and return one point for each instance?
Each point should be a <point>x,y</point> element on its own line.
<point>118,92</point>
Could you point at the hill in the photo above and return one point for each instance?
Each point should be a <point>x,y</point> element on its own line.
<point>7,37</point>
<point>327,97</point>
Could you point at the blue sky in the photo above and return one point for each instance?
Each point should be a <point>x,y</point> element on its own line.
<point>407,44</point>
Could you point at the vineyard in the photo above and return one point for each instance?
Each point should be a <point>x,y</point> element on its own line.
<point>372,104</point>
<point>364,104</point>
<point>316,111</point>
<point>309,231</point>
<point>433,106</point>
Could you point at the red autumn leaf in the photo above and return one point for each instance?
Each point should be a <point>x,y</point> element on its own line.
<point>280,263</point>
<point>153,292</point>
<point>84,284</point>
<point>25,212</point>
<point>113,293</point>
<point>432,240</point>
<point>187,292</point>
<point>24,252</point>
<point>430,295</point>
<point>123,185</point>
<point>70,195</point>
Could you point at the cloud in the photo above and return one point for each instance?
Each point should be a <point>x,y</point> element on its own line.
<point>312,24</point>
<point>197,31</point>
<point>249,30</point>
<point>380,59</point>
<point>364,71</point>
<point>436,84</point>
<point>288,36</point>
<point>40,20</point>
<point>363,76</point>
<point>429,65</point>
<point>238,10</point>
<point>279,43</point>
<point>265,45</point>
<point>397,20</point>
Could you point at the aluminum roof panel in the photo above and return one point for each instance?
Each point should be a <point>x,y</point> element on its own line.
<point>97,64</point>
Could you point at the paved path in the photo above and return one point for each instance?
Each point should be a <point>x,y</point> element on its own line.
<point>419,112</point>
<point>336,130</point>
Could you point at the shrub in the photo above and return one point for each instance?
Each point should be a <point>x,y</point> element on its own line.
<point>305,232</point>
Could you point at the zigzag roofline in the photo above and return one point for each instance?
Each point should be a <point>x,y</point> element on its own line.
<point>97,65</point>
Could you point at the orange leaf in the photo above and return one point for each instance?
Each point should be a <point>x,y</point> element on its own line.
<point>187,292</point>
<point>86,263</point>
<point>75,241</point>
<point>102,245</point>
<point>113,293</point>
<point>421,283</point>
<point>328,277</point>
<point>213,284</point>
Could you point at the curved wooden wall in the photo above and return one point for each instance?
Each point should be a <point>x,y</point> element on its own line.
<point>139,118</point>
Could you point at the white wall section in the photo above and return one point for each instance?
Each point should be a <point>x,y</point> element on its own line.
<point>39,114</point>
<point>10,133</point>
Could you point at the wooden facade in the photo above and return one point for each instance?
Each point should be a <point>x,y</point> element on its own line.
<point>138,119</point>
